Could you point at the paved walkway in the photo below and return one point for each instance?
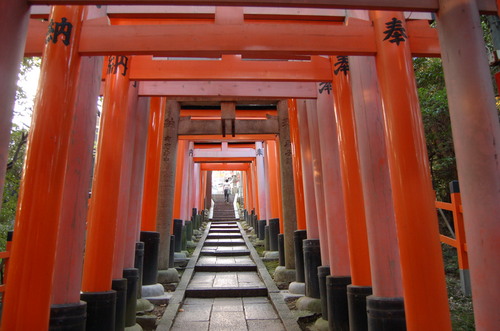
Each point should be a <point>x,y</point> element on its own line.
<point>225,291</point>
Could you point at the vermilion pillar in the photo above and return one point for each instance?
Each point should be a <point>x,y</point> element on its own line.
<point>179,170</point>
<point>350,176</point>
<point>297,165</point>
<point>307,172</point>
<point>31,267</point>
<point>13,29</point>
<point>332,187</point>
<point>261,179</point>
<point>137,181</point>
<point>125,180</point>
<point>319,191</point>
<point>71,236</point>
<point>153,157</point>
<point>273,179</point>
<point>377,192</point>
<point>102,218</point>
<point>426,299</point>
<point>476,136</point>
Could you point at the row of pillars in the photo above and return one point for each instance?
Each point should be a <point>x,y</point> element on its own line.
<point>369,203</point>
<point>390,185</point>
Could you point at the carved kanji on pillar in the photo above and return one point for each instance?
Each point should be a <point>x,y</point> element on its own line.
<point>59,28</point>
<point>342,65</point>
<point>325,86</point>
<point>395,32</point>
<point>115,61</point>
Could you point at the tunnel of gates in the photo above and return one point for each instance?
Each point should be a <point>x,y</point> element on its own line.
<point>315,104</point>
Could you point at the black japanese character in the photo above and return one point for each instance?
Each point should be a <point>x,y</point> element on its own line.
<point>395,32</point>
<point>259,152</point>
<point>56,29</point>
<point>325,86</point>
<point>342,65</point>
<point>115,61</point>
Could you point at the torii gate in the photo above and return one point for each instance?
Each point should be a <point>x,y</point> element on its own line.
<point>467,80</point>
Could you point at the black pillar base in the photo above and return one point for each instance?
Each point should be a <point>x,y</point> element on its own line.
<point>323,271</point>
<point>139,264</point>
<point>68,317</point>
<point>171,252</point>
<point>385,314</point>
<point>281,249</point>
<point>151,241</point>
<point>312,260</point>
<point>132,277</point>
<point>120,286</point>
<point>178,234</point>
<point>356,299</point>
<point>267,245</point>
<point>101,310</point>
<point>261,229</point>
<point>336,294</point>
<point>274,230</point>
<point>298,237</point>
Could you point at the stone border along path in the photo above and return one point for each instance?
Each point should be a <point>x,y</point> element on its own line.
<point>225,286</point>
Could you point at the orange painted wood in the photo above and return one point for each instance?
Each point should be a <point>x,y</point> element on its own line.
<point>153,156</point>
<point>287,40</point>
<point>225,166</point>
<point>297,165</point>
<point>230,68</point>
<point>426,301</point>
<point>37,220</point>
<point>351,179</point>
<point>179,169</point>
<point>272,161</point>
<point>103,211</point>
<point>417,5</point>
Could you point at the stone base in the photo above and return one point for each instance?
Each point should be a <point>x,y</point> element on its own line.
<point>161,299</point>
<point>283,275</point>
<point>167,276</point>
<point>191,244</point>
<point>271,255</point>
<point>136,327</point>
<point>321,324</point>
<point>310,304</point>
<point>180,259</point>
<point>144,305</point>
<point>297,288</point>
<point>154,290</point>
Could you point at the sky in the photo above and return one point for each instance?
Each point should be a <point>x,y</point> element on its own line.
<point>22,115</point>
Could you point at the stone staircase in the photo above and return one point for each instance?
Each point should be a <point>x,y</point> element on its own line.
<point>223,211</point>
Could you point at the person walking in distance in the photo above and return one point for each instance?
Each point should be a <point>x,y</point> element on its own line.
<point>227,190</point>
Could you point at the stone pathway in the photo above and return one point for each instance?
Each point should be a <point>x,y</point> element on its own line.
<point>225,291</point>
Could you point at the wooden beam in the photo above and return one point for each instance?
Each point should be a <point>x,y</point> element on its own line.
<point>231,68</point>
<point>213,40</point>
<point>213,127</point>
<point>230,91</point>
<point>400,5</point>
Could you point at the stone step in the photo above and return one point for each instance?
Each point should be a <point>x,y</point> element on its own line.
<point>228,292</point>
<point>224,242</point>
<point>231,229</point>
<point>241,252</point>
<point>224,268</point>
<point>218,235</point>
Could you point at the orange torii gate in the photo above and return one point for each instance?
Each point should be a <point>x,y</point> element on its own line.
<point>465,71</point>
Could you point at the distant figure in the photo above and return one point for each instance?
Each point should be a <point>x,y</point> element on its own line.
<point>227,190</point>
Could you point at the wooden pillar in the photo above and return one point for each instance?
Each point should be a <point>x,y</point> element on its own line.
<point>13,29</point>
<point>261,179</point>
<point>72,227</point>
<point>153,159</point>
<point>179,170</point>
<point>317,169</point>
<point>350,175</point>
<point>103,212</point>
<point>426,300</point>
<point>208,194</point>
<point>134,210</point>
<point>297,165</point>
<point>476,136</point>
<point>377,192</point>
<point>125,181</point>
<point>306,157</point>
<point>167,190</point>
<point>287,184</point>
<point>273,175</point>
<point>336,228</point>
<point>31,265</point>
